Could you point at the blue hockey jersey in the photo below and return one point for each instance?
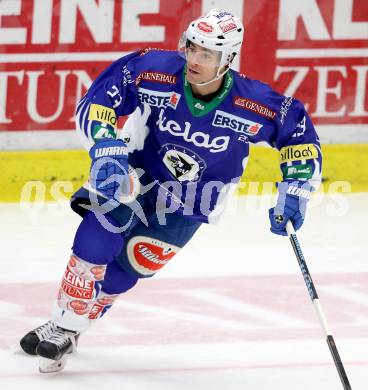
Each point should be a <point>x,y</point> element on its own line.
<point>194,150</point>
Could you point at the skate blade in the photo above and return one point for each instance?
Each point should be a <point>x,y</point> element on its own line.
<point>47,366</point>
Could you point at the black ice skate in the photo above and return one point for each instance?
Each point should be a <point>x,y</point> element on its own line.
<point>31,340</point>
<point>53,350</point>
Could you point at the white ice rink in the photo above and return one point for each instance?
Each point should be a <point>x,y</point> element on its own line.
<point>231,311</point>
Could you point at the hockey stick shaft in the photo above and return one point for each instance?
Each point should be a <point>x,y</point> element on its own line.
<point>317,305</point>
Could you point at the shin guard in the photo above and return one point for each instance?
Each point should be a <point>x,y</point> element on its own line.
<point>80,286</point>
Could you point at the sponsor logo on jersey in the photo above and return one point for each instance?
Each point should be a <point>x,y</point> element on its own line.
<point>285,105</point>
<point>250,105</point>
<point>147,255</point>
<point>157,77</point>
<point>148,49</point>
<point>302,171</point>
<point>174,100</point>
<point>198,138</point>
<point>182,163</point>
<point>235,123</point>
<point>102,114</point>
<point>298,152</point>
<point>199,106</point>
<point>159,99</point>
<point>76,286</point>
<point>102,131</point>
<point>127,76</point>
<point>227,25</point>
<point>205,27</point>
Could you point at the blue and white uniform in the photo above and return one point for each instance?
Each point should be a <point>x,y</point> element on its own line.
<point>202,146</point>
<point>153,183</point>
<point>192,153</point>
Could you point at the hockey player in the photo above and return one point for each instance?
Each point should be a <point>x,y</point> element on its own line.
<point>182,150</point>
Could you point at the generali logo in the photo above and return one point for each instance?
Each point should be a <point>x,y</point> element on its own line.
<point>158,77</point>
<point>255,107</point>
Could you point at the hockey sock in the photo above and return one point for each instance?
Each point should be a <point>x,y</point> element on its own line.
<point>80,285</point>
<point>94,248</point>
<point>116,282</point>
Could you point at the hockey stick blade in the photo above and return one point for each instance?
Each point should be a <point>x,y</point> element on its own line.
<point>338,363</point>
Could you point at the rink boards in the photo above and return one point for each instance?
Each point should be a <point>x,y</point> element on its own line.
<point>55,175</point>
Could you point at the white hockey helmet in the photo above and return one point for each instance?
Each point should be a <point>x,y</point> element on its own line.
<point>218,30</point>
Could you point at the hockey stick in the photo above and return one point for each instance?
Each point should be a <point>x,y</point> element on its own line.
<point>317,305</point>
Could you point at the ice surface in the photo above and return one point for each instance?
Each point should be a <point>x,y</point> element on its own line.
<point>231,311</point>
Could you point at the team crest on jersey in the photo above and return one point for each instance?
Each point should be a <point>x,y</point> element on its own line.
<point>182,163</point>
<point>236,123</point>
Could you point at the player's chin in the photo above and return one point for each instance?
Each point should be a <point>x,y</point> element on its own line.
<point>193,77</point>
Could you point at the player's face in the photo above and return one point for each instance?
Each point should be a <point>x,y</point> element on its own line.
<point>202,64</point>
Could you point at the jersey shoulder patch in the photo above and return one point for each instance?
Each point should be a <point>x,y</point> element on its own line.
<point>153,49</point>
<point>159,57</point>
<point>261,98</point>
<point>158,67</point>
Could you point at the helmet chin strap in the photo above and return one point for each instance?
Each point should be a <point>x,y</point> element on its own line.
<point>218,76</point>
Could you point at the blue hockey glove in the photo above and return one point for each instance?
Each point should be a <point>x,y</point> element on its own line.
<point>109,169</point>
<point>291,205</point>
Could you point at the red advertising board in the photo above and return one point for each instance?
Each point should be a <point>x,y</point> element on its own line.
<point>50,51</point>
